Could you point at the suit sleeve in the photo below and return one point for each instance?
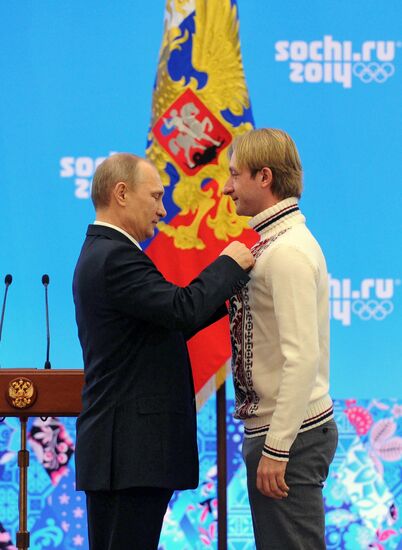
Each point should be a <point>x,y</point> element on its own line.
<point>135,287</point>
<point>222,311</point>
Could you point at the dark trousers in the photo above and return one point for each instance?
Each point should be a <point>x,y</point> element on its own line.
<point>129,519</point>
<point>295,522</point>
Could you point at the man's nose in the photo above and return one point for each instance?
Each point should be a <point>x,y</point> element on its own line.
<point>162,211</point>
<point>228,187</point>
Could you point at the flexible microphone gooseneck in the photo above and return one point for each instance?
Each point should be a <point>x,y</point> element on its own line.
<point>7,281</point>
<point>45,282</point>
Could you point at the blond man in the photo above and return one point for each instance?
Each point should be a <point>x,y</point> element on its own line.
<point>280,343</point>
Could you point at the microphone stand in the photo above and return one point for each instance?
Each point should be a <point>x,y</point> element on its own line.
<point>23,463</point>
<point>23,535</point>
<point>7,281</point>
<point>45,282</point>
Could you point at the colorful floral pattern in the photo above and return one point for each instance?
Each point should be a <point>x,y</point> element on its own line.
<point>364,490</point>
<point>363,494</point>
<point>52,445</point>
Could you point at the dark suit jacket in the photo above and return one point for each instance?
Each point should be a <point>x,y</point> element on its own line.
<point>138,423</point>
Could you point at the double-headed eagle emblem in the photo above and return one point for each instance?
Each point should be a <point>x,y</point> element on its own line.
<point>21,393</point>
<point>200,104</point>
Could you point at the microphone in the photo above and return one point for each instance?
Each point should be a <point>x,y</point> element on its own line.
<point>7,281</point>
<point>45,282</point>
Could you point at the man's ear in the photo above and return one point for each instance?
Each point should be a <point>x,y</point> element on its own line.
<point>119,193</point>
<point>266,177</point>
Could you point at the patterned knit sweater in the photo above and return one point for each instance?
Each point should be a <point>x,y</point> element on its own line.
<point>280,333</point>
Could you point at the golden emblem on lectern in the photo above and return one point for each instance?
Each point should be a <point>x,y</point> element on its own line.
<point>21,393</point>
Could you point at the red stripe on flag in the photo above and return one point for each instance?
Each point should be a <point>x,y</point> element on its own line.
<point>210,348</point>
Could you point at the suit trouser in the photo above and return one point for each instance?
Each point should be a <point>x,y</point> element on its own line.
<point>296,522</point>
<point>128,519</point>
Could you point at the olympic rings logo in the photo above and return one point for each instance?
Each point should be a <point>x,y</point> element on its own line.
<point>372,309</point>
<point>367,72</point>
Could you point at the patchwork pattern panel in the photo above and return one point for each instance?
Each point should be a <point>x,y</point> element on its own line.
<point>363,494</point>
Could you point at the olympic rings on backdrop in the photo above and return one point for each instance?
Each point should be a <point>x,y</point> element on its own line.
<point>372,309</point>
<point>367,72</point>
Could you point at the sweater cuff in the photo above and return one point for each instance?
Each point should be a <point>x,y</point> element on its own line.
<point>275,448</point>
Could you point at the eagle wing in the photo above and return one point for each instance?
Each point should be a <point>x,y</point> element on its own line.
<point>216,51</point>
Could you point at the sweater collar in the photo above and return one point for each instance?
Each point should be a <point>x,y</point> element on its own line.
<point>282,215</point>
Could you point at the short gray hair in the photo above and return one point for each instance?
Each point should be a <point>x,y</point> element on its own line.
<point>118,167</point>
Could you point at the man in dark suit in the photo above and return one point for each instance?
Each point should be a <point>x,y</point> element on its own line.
<point>136,435</point>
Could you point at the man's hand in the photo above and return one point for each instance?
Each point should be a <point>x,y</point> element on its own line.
<point>271,478</point>
<point>240,254</point>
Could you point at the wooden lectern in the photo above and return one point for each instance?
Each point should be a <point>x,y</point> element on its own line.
<point>34,392</point>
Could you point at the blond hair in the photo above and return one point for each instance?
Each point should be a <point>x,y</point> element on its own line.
<point>276,150</point>
<point>124,167</point>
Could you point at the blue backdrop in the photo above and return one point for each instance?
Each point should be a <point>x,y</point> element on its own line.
<point>77,83</point>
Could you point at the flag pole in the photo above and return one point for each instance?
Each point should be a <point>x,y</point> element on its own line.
<point>222,466</point>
